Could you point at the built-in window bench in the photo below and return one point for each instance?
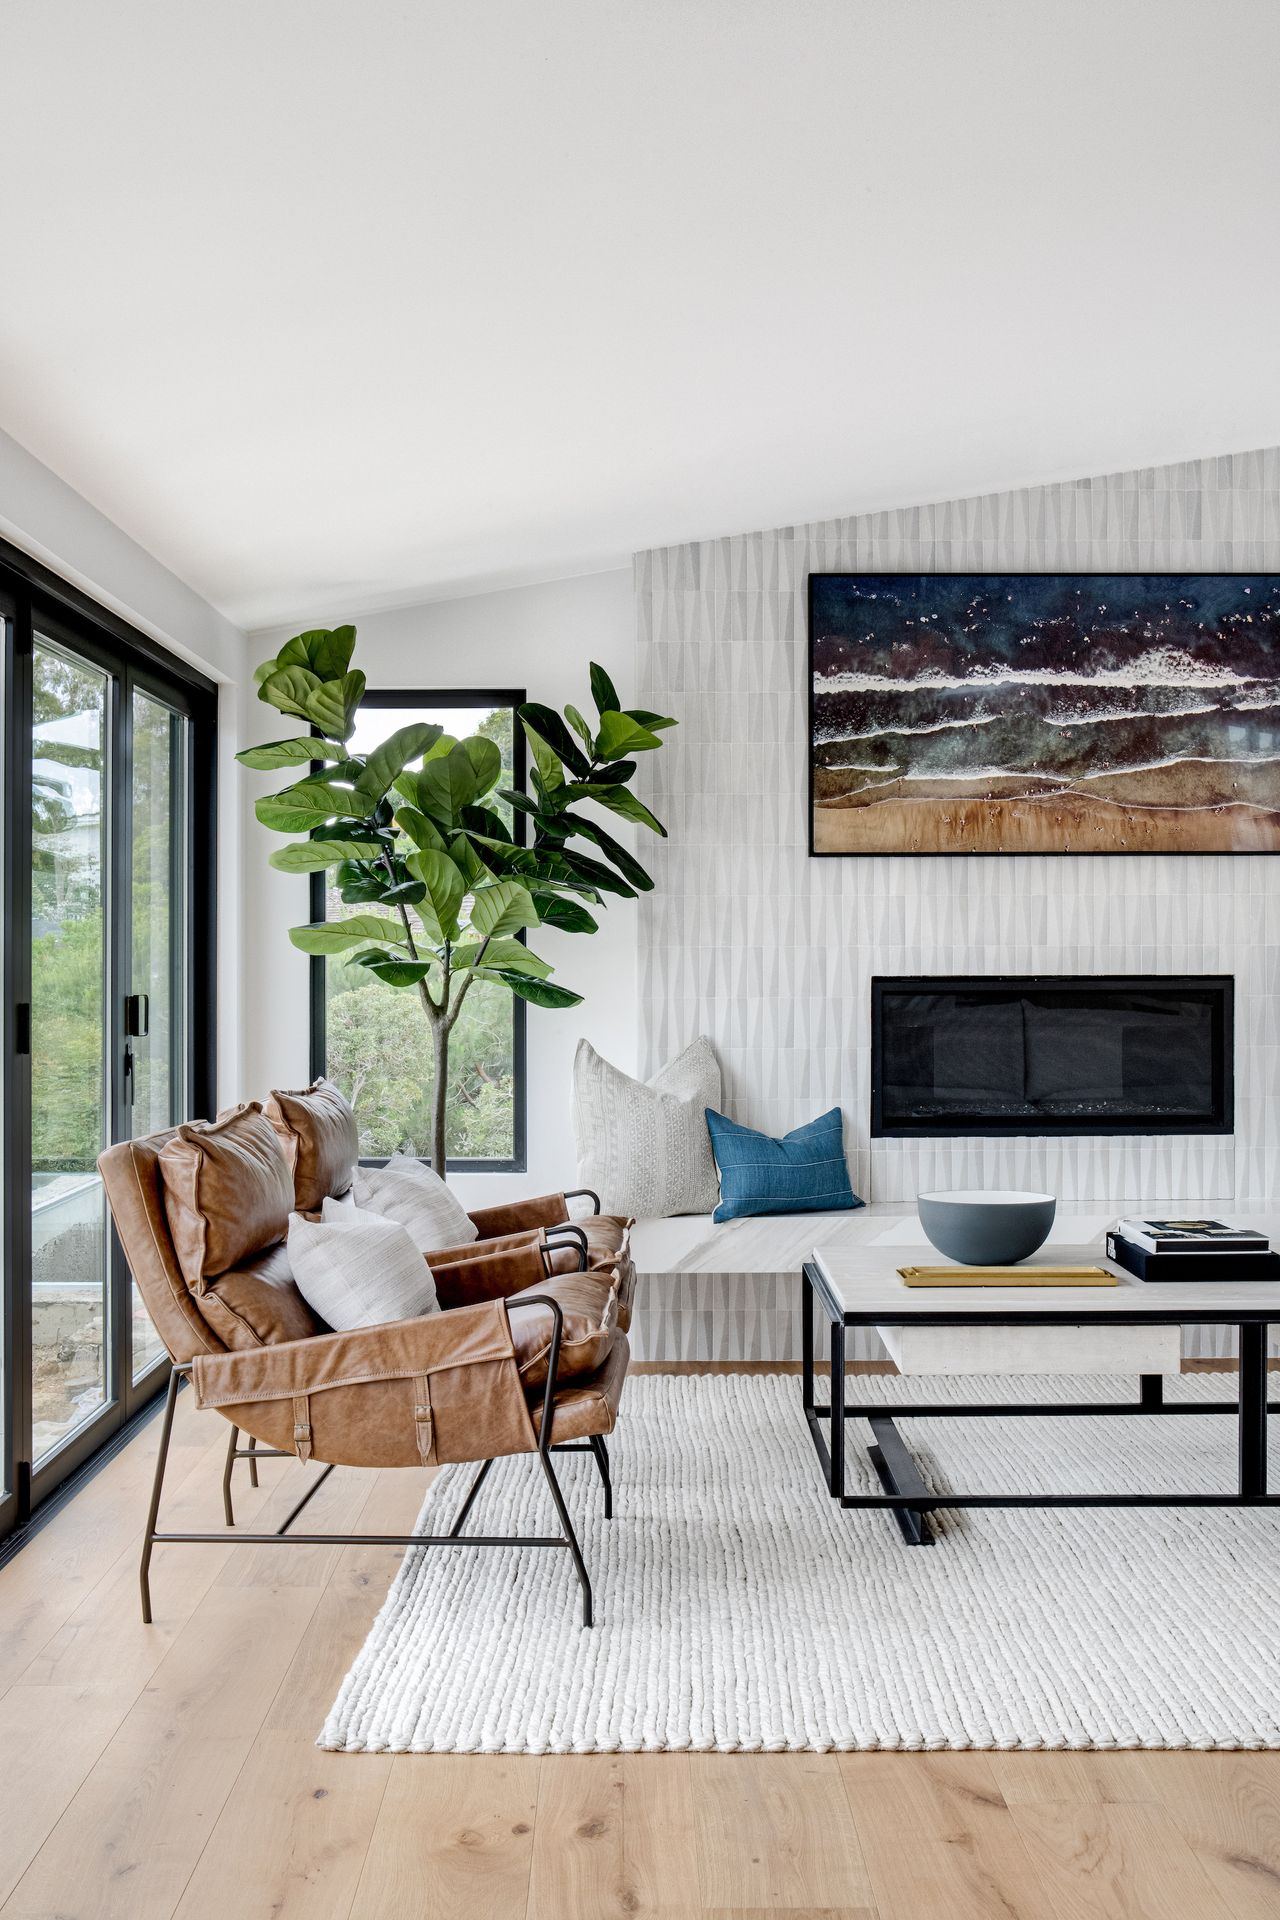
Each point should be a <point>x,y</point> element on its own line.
<point>732,1292</point>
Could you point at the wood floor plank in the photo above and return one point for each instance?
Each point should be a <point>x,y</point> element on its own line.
<point>774,1830</point>
<point>65,1561</point>
<point>352,1596</point>
<point>1116,1862</point>
<point>105,1638</point>
<point>133,1832</point>
<point>939,1838</point>
<point>50,1737</point>
<point>454,1836</point>
<point>291,1840</point>
<point>1226,1806</point>
<point>1087,1777</point>
<point>791,1913</point>
<point>615,1835</point>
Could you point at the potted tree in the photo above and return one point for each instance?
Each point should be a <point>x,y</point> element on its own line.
<point>446,893</point>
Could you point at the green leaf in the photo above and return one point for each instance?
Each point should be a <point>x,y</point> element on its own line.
<point>603,691</point>
<point>568,915</point>
<point>486,762</point>
<point>415,825</point>
<point>520,801</point>
<point>655,722</point>
<point>503,907</point>
<point>620,801</point>
<point>400,973</point>
<point>615,773</point>
<point>444,745</point>
<point>548,768</point>
<point>368,836</point>
<point>625,862</point>
<point>310,856</point>
<point>284,753</point>
<point>540,992</point>
<point>595,873</point>
<point>326,651</point>
<point>620,734</point>
<point>445,889</point>
<point>330,705</point>
<point>334,706</point>
<point>335,936</point>
<point>581,728</point>
<point>488,825</point>
<point>311,803</point>
<point>544,723</point>
<point>467,860</point>
<point>387,762</point>
<point>494,955</point>
<point>445,787</point>
<point>289,688</point>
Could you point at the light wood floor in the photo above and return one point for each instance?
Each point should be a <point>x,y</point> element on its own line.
<point>149,1772</point>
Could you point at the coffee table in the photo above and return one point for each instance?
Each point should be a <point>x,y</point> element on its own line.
<point>1036,1329</point>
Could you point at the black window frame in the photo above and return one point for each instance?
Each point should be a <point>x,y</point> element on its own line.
<point>480,697</point>
<point>34,599</point>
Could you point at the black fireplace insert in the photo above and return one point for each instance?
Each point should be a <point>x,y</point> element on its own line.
<point>1052,1054</point>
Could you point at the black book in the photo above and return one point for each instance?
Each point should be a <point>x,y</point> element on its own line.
<point>1194,1267</point>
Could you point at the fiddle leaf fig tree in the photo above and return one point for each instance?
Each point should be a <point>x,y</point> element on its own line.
<point>419,846</point>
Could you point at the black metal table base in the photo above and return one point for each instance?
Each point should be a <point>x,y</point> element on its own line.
<point>907,1496</point>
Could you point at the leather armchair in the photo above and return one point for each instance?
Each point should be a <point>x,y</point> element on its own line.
<point>528,1355</point>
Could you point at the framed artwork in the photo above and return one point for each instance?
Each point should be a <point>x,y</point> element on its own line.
<point>1044,713</point>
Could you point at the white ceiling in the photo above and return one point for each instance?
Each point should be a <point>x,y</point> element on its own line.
<point>338,303</point>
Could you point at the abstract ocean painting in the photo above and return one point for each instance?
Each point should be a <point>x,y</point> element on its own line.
<point>1045,713</point>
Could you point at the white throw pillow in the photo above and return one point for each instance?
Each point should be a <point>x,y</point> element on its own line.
<point>358,1270</point>
<point>418,1198</point>
<point>643,1145</point>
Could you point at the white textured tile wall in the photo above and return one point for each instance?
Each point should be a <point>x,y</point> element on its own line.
<point>770,953</point>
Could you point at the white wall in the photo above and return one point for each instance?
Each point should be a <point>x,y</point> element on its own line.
<point>540,638</point>
<point>46,518</point>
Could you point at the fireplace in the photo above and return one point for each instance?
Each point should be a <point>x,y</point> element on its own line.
<point>1051,1054</point>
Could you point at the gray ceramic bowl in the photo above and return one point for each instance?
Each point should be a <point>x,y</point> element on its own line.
<point>987,1229</point>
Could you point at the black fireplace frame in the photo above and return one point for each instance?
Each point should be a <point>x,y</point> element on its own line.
<point>1049,1127</point>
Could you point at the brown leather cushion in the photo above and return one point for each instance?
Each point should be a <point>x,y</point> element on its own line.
<point>317,1131</point>
<point>588,1304</point>
<point>589,1406</point>
<point>227,1192</point>
<point>609,1251</point>
<point>257,1303</point>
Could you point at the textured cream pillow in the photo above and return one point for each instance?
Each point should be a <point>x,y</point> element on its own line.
<point>356,1269</point>
<point>643,1145</point>
<point>418,1198</point>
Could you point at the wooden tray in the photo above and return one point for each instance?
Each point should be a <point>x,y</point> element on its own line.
<point>1008,1277</point>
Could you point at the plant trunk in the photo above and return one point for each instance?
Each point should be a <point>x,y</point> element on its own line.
<point>439,1097</point>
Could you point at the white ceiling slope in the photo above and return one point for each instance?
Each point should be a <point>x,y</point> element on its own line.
<point>333,305</point>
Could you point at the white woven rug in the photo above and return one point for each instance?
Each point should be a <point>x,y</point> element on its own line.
<point>738,1607</point>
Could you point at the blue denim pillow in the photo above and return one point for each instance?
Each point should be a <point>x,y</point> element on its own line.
<point>804,1172</point>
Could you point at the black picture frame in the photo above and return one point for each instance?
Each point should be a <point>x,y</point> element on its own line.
<point>1013,853</point>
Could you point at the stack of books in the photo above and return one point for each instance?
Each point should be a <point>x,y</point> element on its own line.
<point>1197,1250</point>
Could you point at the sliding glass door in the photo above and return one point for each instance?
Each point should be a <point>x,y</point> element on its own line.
<point>108,791</point>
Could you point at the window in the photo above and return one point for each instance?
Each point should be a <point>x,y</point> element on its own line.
<point>108,757</point>
<point>373,1042</point>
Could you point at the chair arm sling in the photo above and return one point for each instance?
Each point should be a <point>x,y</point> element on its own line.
<point>443,1387</point>
<point>549,1210</point>
<point>480,1271</point>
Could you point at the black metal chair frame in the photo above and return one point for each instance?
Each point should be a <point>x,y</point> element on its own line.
<point>567,1539</point>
